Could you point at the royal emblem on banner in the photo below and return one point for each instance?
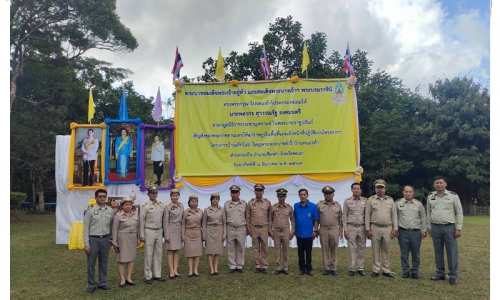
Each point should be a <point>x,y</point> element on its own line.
<point>339,96</point>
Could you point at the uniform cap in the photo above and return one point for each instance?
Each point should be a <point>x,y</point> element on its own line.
<point>193,197</point>
<point>172,191</point>
<point>380,183</point>
<point>328,190</point>
<point>213,195</point>
<point>259,187</point>
<point>153,189</point>
<point>234,187</point>
<point>281,192</point>
<point>127,199</point>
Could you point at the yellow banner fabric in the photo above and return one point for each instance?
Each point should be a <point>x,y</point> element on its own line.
<point>266,128</point>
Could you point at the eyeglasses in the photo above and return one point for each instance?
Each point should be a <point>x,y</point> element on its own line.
<point>101,196</point>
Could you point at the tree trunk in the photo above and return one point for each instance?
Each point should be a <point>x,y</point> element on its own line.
<point>40,190</point>
<point>17,68</point>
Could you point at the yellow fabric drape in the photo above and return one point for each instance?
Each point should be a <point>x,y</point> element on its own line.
<point>75,241</point>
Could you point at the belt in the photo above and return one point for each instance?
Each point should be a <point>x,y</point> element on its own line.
<point>410,229</point>
<point>443,225</point>
<point>99,236</point>
<point>356,225</point>
<point>235,226</point>
<point>382,226</point>
<point>328,227</point>
<point>215,225</point>
<point>259,226</point>
<point>175,223</point>
<point>152,228</point>
<point>193,228</point>
<point>281,230</point>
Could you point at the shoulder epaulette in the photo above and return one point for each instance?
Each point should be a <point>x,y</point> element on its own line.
<point>453,193</point>
<point>169,204</point>
<point>372,197</point>
<point>276,204</point>
<point>362,198</point>
<point>144,204</point>
<point>399,199</point>
<point>348,198</point>
<point>389,197</point>
<point>90,206</point>
<point>320,201</point>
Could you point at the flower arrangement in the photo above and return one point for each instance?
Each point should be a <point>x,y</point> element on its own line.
<point>234,82</point>
<point>351,81</point>
<point>294,79</point>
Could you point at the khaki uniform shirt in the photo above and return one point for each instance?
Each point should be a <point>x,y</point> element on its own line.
<point>411,214</point>
<point>151,216</point>
<point>282,216</point>
<point>354,211</point>
<point>381,211</point>
<point>330,214</point>
<point>445,209</point>
<point>192,219</point>
<point>97,221</point>
<point>258,212</point>
<point>235,212</point>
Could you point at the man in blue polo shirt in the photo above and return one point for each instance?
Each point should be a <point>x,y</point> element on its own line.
<point>306,230</point>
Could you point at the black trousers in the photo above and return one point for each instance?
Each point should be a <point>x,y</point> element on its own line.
<point>88,179</point>
<point>304,246</point>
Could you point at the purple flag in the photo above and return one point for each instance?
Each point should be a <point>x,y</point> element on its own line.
<point>157,110</point>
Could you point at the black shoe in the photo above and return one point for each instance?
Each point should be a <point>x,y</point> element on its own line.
<point>435,278</point>
<point>361,272</point>
<point>453,281</point>
<point>122,285</point>
<point>310,273</point>
<point>264,271</point>
<point>301,272</point>
<point>159,278</point>
<point>171,277</point>
<point>190,275</point>
<point>352,273</point>
<point>104,287</point>
<point>149,281</point>
<point>405,275</point>
<point>326,272</point>
<point>196,275</point>
<point>91,289</point>
<point>216,273</point>
<point>277,272</point>
<point>334,272</point>
<point>415,276</point>
<point>240,270</point>
<point>129,282</point>
<point>258,270</point>
<point>286,272</point>
<point>375,274</point>
<point>390,275</point>
<point>177,275</point>
<point>232,270</point>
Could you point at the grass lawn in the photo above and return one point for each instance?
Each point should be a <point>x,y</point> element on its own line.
<point>40,269</point>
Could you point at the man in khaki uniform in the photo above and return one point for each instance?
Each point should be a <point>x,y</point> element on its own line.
<point>381,221</point>
<point>236,230</point>
<point>445,218</point>
<point>330,230</point>
<point>281,217</point>
<point>412,225</point>
<point>151,228</point>
<point>97,223</point>
<point>258,211</point>
<point>354,229</point>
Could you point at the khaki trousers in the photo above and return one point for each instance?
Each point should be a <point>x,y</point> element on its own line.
<point>236,246</point>
<point>153,251</point>
<point>329,240</point>
<point>259,243</point>
<point>381,242</point>
<point>356,246</point>
<point>281,245</point>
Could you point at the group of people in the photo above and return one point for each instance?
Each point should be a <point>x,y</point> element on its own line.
<point>378,218</point>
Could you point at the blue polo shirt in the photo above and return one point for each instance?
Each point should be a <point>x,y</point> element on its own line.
<point>304,219</point>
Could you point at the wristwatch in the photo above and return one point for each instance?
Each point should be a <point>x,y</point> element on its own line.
<point>315,231</point>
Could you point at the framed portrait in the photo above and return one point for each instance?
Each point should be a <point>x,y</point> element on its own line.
<point>156,161</point>
<point>121,154</point>
<point>86,156</point>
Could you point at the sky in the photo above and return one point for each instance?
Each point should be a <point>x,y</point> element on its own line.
<point>417,41</point>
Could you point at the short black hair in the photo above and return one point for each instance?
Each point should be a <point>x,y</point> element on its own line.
<point>440,177</point>
<point>356,183</point>
<point>304,190</point>
<point>90,130</point>
<point>100,191</point>
<point>412,187</point>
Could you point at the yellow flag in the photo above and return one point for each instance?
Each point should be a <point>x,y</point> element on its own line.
<point>91,106</point>
<point>220,73</point>
<point>305,58</point>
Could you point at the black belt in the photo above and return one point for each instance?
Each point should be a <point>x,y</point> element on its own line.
<point>443,225</point>
<point>153,228</point>
<point>281,229</point>
<point>410,229</point>
<point>100,236</point>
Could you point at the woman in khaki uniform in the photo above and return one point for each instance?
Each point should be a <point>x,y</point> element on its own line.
<point>172,221</point>
<point>126,239</point>
<point>214,225</point>
<point>192,235</point>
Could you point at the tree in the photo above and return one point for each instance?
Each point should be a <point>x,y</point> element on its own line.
<point>57,31</point>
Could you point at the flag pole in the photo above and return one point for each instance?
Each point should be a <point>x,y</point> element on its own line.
<point>307,76</point>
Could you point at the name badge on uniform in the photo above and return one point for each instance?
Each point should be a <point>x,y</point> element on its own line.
<point>96,212</point>
<point>253,204</point>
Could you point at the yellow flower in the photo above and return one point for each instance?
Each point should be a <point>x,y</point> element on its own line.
<point>177,82</point>
<point>73,125</point>
<point>294,79</point>
<point>70,187</point>
<point>92,202</point>
<point>178,89</point>
<point>352,79</point>
<point>102,125</point>
<point>235,82</point>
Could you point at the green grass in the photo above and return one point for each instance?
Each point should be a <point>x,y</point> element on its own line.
<point>40,269</point>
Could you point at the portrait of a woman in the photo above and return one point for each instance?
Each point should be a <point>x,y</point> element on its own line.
<point>123,153</point>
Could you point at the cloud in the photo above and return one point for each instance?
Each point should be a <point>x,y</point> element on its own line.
<point>416,41</point>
